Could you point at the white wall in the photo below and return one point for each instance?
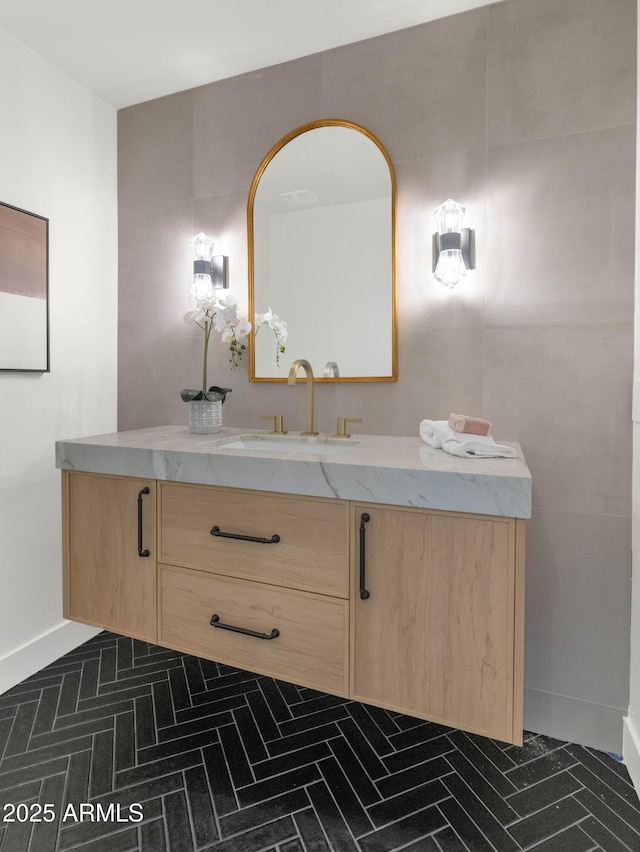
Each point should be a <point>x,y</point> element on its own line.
<point>631,740</point>
<point>57,159</point>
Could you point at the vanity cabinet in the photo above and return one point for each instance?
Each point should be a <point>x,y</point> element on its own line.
<point>109,522</point>
<point>416,610</point>
<point>437,617</point>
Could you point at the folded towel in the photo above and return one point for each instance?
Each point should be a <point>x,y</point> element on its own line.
<point>438,434</point>
<point>435,432</point>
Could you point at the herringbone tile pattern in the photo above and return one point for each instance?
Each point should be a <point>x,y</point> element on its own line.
<point>122,746</point>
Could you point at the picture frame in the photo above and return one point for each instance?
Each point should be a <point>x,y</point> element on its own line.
<point>24,291</point>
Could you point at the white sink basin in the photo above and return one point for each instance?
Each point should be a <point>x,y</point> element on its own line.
<point>288,445</point>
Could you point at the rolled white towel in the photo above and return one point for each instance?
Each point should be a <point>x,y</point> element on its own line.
<point>435,432</point>
<point>438,434</point>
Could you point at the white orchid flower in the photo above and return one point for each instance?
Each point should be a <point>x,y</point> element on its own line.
<point>228,301</point>
<point>219,322</point>
<point>221,313</point>
<point>230,314</point>
<point>195,317</point>
<point>243,328</point>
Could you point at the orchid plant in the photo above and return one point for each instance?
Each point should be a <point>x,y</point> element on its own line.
<point>218,308</point>
<point>221,313</point>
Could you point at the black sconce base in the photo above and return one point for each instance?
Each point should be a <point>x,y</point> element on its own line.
<point>465,241</point>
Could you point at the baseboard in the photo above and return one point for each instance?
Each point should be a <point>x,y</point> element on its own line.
<point>35,655</point>
<point>594,725</point>
<point>631,750</point>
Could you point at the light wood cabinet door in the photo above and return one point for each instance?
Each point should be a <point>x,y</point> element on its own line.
<point>440,634</point>
<point>109,524</point>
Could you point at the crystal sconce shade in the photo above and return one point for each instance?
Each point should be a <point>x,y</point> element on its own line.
<point>453,245</point>
<point>209,272</point>
<point>202,247</point>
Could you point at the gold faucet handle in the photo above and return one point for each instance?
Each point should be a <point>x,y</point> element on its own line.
<point>342,426</point>
<point>278,423</point>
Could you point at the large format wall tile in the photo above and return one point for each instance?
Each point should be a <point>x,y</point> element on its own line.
<point>155,271</point>
<point>422,186</point>
<point>224,218</point>
<point>421,90</point>
<point>440,370</point>
<point>578,605</point>
<point>247,403</point>
<point>155,261</point>
<point>560,66</point>
<point>236,121</point>
<point>560,230</point>
<point>564,392</point>
<point>155,145</point>
<point>151,374</point>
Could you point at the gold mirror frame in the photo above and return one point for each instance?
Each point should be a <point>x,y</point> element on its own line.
<point>327,122</point>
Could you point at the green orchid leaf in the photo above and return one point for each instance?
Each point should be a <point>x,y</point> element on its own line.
<point>189,394</point>
<point>214,389</point>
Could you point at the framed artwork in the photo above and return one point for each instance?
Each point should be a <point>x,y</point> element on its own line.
<point>24,291</point>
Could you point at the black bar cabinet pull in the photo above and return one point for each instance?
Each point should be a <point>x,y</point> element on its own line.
<point>141,552</point>
<point>215,622</point>
<point>364,518</point>
<point>218,532</point>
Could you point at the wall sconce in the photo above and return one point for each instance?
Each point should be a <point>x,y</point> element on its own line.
<point>209,273</point>
<point>453,245</point>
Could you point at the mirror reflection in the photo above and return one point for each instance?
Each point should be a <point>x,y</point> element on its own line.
<point>321,223</point>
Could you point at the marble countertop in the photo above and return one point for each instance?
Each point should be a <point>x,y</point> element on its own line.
<point>401,471</point>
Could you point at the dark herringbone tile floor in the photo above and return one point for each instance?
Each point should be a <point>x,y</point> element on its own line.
<point>122,746</point>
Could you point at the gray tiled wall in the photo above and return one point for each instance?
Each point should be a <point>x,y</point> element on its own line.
<point>525,111</point>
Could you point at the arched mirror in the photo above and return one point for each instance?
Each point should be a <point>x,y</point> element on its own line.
<point>321,228</point>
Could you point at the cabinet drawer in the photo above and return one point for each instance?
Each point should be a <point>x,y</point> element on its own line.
<point>311,648</point>
<point>311,553</point>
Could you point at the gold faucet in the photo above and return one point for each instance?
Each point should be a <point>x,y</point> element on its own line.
<point>278,423</point>
<point>293,372</point>
<point>342,426</point>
